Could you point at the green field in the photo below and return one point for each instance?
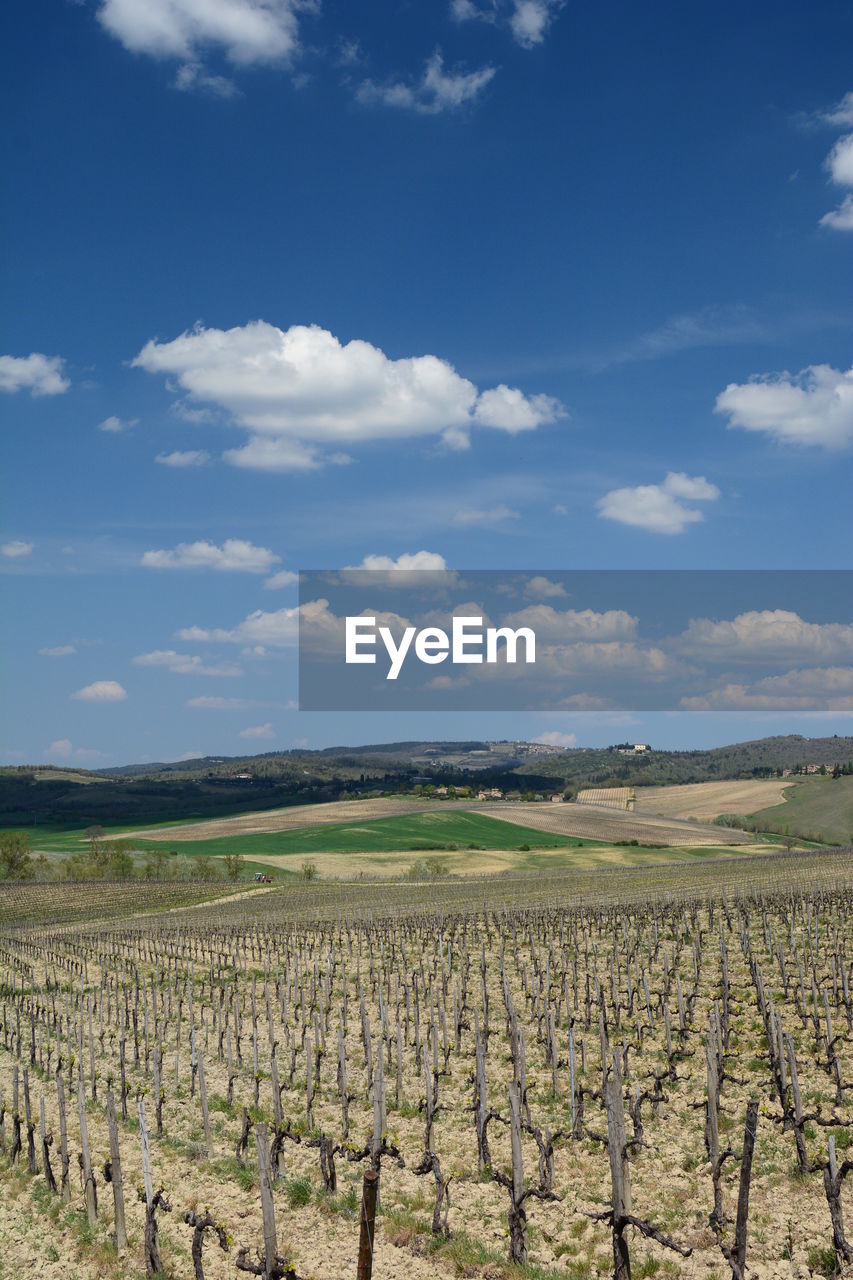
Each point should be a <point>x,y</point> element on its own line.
<point>815,808</point>
<point>416,832</point>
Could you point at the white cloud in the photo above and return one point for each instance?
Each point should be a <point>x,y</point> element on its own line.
<point>560,509</point>
<point>814,406</point>
<point>64,749</point>
<point>193,77</point>
<point>659,508</point>
<point>274,630</point>
<point>768,635</point>
<point>234,556</point>
<point>284,578</point>
<point>17,549</point>
<point>185,664</point>
<point>552,626</point>
<point>528,20</point>
<point>841,113</point>
<point>839,162</point>
<point>101,691</point>
<point>840,219</point>
<point>554,738</point>
<point>542,588</point>
<point>469,517</point>
<point>184,458</point>
<point>799,690</point>
<point>41,375</point>
<point>246,31</point>
<point>116,425</point>
<point>209,702</point>
<point>58,651</point>
<point>531,19</point>
<point>512,411</point>
<point>436,91</point>
<point>299,391</point>
<point>258,731</point>
<point>414,561</point>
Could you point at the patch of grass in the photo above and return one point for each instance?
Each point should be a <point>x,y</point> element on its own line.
<point>299,1192</point>
<point>823,1262</point>
<point>406,832</point>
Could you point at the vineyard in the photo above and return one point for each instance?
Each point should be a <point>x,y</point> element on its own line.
<point>644,1072</point>
<point>608,797</point>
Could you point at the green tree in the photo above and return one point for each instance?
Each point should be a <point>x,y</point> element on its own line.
<point>233,865</point>
<point>15,860</point>
<point>309,870</point>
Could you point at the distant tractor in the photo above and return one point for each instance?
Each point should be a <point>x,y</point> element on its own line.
<point>261,877</point>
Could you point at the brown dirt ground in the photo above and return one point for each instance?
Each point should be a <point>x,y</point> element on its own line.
<point>706,800</point>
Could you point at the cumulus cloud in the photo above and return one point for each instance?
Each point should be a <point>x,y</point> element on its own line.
<point>531,19</point>
<point>554,738</point>
<point>814,406</point>
<point>839,162</point>
<point>184,458</point>
<point>17,549</point>
<point>555,627</point>
<point>246,31</point>
<point>39,374</point>
<point>300,391</point>
<point>542,588</point>
<point>840,219</point>
<point>234,556</point>
<point>829,688</point>
<point>101,691</point>
<point>284,578</point>
<point>276,629</point>
<point>768,635</point>
<point>258,731</point>
<point>510,410</point>
<point>469,517</point>
<point>58,651</point>
<point>417,560</point>
<point>436,91</point>
<point>115,426</point>
<point>659,508</point>
<point>185,664</point>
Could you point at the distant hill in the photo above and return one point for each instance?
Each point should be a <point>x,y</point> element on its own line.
<point>216,785</point>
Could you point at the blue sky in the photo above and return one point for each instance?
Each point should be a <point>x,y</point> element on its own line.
<point>514,283</point>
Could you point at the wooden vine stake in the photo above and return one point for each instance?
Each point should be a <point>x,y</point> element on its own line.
<point>88,1176</point>
<point>367,1233</point>
<point>115,1173</point>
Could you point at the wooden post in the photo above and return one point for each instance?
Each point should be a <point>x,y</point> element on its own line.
<point>267,1206</point>
<point>64,1185</point>
<point>620,1175</point>
<point>738,1258</point>
<point>115,1173</point>
<point>88,1176</point>
<point>205,1114</point>
<point>367,1234</point>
